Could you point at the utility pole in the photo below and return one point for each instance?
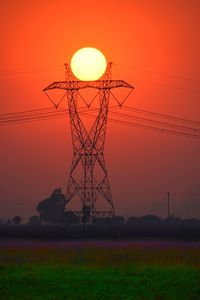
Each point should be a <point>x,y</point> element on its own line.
<point>168,205</point>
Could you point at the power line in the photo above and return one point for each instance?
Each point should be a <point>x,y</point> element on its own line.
<point>38,116</point>
<point>6,115</point>
<point>51,113</point>
<point>158,129</point>
<point>156,122</point>
<point>178,119</point>
<point>31,113</point>
<point>136,110</point>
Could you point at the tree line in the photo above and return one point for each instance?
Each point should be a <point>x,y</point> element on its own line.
<point>51,210</point>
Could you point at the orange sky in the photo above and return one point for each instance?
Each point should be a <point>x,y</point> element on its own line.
<point>154,46</point>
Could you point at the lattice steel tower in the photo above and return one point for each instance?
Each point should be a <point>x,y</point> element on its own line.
<point>88,146</point>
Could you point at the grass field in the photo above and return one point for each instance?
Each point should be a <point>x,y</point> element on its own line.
<point>99,272</point>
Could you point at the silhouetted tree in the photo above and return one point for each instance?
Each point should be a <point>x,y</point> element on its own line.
<point>16,220</point>
<point>2,221</point>
<point>34,220</point>
<point>149,218</point>
<point>70,218</point>
<point>132,221</point>
<point>191,221</point>
<point>118,220</point>
<point>86,213</point>
<point>51,209</point>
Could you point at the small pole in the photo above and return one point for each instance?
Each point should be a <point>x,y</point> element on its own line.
<point>168,205</point>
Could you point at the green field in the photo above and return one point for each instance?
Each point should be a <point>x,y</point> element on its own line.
<point>99,272</point>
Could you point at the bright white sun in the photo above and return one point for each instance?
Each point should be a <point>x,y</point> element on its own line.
<point>88,64</point>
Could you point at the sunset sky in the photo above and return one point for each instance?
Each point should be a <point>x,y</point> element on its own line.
<point>155,46</point>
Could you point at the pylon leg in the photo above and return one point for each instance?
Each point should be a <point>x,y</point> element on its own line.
<point>88,151</point>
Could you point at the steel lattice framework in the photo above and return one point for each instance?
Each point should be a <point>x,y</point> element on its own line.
<point>88,146</point>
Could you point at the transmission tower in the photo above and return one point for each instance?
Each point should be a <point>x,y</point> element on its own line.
<point>88,146</point>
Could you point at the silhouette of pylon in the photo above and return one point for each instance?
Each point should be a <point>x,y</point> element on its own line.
<point>88,146</point>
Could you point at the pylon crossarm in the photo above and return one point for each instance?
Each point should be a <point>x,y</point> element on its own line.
<point>78,84</point>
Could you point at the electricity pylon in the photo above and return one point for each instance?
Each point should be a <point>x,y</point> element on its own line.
<point>88,146</point>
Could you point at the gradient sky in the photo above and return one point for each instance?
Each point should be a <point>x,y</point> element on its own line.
<point>155,46</point>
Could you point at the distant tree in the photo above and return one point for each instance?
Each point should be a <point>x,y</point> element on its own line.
<point>2,221</point>
<point>118,220</point>
<point>70,218</point>
<point>191,221</point>
<point>86,210</point>
<point>100,221</point>
<point>132,221</point>
<point>149,218</point>
<point>16,220</point>
<point>34,220</point>
<point>51,210</point>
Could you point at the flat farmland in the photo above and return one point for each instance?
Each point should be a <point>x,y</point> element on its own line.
<point>97,269</point>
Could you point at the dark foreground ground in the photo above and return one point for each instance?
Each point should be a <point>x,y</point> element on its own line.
<point>164,230</point>
<point>98,269</point>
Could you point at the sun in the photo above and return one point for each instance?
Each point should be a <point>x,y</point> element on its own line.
<point>88,64</point>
